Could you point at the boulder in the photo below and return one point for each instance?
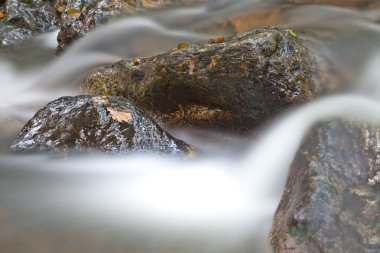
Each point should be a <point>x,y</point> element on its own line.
<point>22,19</point>
<point>84,124</point>
<point>331,202</point>
<point>230,84</point>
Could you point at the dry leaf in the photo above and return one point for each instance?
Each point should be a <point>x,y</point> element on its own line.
<point>120,116</point>
<point>219,39</point>
<point>73,13</point>
<point>183,45</point>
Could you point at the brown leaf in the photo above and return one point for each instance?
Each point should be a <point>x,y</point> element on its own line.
<point>120,116</point>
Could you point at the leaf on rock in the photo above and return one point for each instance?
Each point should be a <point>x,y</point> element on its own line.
<point>74,13</point>
<point>183,45</point>
<point>291,32</point>
<point>120,116</point>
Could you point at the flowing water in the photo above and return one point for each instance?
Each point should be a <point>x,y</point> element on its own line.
<point>221,202</point>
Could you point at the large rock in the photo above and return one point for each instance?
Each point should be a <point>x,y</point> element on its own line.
<point>234,84</point>
<point>331,201</point>
<point>25,18</point>
<point>88,123</point>
<point>80,17</point>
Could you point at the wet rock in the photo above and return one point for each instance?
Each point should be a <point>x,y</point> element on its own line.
<point>231,84</point>
<point>80,17</point>
<point>89,123</point>
<point>331,201</point>
<point>25,18</point>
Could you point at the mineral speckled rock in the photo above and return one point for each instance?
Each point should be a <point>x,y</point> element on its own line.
<point>235,84</point>
<point>331,202</point>
<point>25,18</point>
<point>88,123</point>
<point>80,17</point>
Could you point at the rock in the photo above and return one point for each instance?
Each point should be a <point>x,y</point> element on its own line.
<point>331,201</point>
<point>235,84</point>
<point>25,18</point>
<point>80,17</point>
<point>88,123</point>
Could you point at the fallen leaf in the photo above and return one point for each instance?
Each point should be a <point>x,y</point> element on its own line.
<point>183,45</point>
<point>291,32</point>
<point>120,116</point>
<point>1,15</point>
<point>135,62</point>
<point>219,39</point>
<point>73,13</point>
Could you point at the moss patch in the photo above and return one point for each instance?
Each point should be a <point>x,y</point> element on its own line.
<point>300,231</point>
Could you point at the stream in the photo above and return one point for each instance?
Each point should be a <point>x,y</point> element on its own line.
<point>222,201</point>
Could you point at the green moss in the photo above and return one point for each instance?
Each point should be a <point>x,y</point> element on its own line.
<point>291,32</point>
<point>300,231</point>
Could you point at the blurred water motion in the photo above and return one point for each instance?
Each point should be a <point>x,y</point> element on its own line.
<point>156,204</point>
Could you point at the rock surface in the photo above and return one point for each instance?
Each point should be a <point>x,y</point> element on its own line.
<point>331,201</point>
<point>234,84</point>
<point>25,18</point>
<point>88,123</point>
<point>80,17</point>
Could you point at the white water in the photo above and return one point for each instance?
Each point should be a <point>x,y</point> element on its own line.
<point>214,204</point>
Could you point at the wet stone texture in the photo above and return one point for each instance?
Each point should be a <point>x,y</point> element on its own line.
<point>331,202</point>
<point>24,18</point>
<point>232,84</point>
<point>81,16</point>
<point>87,123</point>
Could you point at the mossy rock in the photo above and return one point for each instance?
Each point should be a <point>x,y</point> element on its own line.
<point>234,85</point>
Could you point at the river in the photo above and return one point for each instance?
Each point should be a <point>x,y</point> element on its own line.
<point>223,201</point>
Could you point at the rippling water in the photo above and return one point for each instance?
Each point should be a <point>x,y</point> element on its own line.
<point>217,203</point>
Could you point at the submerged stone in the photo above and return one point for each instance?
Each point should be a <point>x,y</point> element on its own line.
<point>24,18</point>
<point>235,84</point>
<point>331,202</point>
<point>90,123</point>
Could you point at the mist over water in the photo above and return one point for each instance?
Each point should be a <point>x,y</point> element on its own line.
<point>157,204</point>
